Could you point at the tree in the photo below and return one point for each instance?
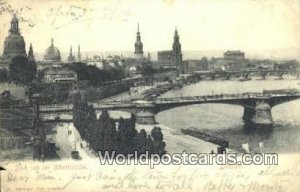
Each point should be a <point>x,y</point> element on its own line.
<point>95,76</point>
<point>83,115</point>
<point>121,141</point>
<point>31,70</point>
<point>203,64</point>
<point>21,70</point>
<point>149,145</point>
<point>3,75</point>
<point>109,132</point>
<point>102,134</point>
<point>147,70</point>
<point>141,142</point>
<point>158,143</point>
<point>91,123</point>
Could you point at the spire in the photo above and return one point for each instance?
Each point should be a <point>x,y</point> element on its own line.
<point>176,36</point>
<point>30,53</point>
<point>71,51</point>
<point>79,54</point>
<point>138,34</point>
<point>138,52</point>
<point>71,57</point>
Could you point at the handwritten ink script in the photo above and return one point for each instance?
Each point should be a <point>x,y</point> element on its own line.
<point>62,15</point>
<point>74,13</point>
<point>68,176</point>
<point>22,12</point>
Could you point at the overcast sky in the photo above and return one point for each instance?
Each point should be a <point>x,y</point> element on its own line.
<point>108,25</point>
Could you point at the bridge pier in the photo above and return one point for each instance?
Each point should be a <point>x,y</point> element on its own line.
<point>258,113</point>
<point>280,75</point>
<point>145,118</point>
<point>227,76</point>
<point>263,75</point>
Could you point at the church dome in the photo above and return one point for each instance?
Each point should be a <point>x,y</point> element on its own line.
<point>14,44</point>
<point>52,53</point>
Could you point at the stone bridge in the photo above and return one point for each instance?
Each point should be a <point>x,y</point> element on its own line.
<point>257,106</point>
<point>245,74</point>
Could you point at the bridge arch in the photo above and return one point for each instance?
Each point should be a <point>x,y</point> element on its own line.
<point>203,110</point>
<point>160,109</point>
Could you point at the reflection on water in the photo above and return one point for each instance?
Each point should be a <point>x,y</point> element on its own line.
<point>225,120</point>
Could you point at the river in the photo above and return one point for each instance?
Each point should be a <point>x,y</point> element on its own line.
<point>224,120</point>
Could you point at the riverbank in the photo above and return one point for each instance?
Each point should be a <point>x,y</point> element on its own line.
<point>176,142</point>
<point>68,139</point>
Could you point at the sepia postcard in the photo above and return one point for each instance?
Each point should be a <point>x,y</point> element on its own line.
<point>140,95</point>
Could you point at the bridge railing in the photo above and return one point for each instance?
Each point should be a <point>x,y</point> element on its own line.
<point>246,71</point>
<point>223,97</point>
<point>215,97</point>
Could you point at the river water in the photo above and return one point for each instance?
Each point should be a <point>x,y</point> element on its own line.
<point>225,121</point>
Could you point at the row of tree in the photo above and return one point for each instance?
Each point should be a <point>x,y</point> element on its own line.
<point>22,70</point>
<point>93,75</point>
<point>107,134</point>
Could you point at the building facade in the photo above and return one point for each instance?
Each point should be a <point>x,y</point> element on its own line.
<point>196,65</point>
<point>165,56</point>
<point>164,60</point>
<point>59,75</point>
<point>231,60</point>
<point>234,55</point>
<point>172,59</point>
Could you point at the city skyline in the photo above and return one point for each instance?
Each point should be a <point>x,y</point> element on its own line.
<point>115,29</point>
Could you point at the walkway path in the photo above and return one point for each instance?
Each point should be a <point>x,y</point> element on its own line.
<point>68,139</point>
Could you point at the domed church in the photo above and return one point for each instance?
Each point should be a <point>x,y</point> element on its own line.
<point>14,44</point>
<point>52,53</point>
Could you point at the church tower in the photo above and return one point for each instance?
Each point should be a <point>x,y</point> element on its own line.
<point>138,51</point>
<point>176,54</point>
<point>30,54</point>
